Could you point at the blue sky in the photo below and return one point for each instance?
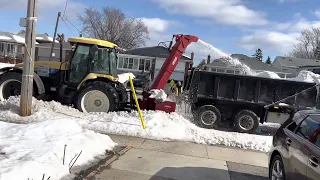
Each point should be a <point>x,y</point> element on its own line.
<point>234,26</point>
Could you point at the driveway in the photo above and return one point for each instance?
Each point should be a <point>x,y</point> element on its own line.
<point>159,160</point>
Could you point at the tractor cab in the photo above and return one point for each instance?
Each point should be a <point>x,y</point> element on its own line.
<point>91,57</point>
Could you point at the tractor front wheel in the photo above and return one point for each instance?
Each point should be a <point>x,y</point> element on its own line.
<point>97,96</point>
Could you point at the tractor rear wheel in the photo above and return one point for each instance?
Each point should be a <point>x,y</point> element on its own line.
<point>97,96</point>
<point>10,85</point>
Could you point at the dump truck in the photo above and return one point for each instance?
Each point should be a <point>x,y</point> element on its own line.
<point>244,101</point>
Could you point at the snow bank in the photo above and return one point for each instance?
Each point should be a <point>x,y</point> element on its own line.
<point>268,74</point>
<point>160,125</point>
<point>158,94</point>
<point>306,76</point>
<point>125,77</point>
<point>3,65</point>
<point>31,150</point>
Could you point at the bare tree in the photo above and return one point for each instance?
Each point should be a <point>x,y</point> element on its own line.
<point>308,44</point>
<point>113,25</point>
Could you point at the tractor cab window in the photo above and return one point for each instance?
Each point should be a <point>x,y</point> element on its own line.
<point>104,62</point>
<point>79,63</point>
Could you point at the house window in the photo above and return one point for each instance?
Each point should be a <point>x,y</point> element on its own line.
<point>221,70</point>
<point>135,64</point>
<point>141,64</point>
<point>130,63</point>
<point>147,66</point>
<point>2,49</point>
<point>120,62</point>
<point>126,63</point>
<point>11,50</point>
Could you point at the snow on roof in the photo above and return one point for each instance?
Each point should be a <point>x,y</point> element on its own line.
<point>297,62</point>
<point>5,38</point>
<point>18,39</point>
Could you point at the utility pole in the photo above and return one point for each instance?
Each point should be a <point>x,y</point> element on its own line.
<point>28,64</point>
<point>54,36</point>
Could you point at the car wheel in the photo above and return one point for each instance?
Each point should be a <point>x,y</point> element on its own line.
<point>276,169</point>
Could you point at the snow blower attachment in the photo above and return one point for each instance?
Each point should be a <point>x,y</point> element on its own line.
<point>176,52</point>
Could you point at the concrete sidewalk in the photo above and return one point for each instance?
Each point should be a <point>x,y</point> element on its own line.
<point>159,160</point>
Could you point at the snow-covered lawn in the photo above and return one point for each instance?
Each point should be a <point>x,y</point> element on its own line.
<point>160,125</point>
<point>31,150</point>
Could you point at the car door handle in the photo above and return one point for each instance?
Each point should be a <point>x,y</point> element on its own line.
<point>313,161</point>
<point>288,141</point>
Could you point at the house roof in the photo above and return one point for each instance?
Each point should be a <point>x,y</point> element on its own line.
<point>154,51</point>
<point>296,62</point>
<point>251,62</point>
<point>9,37</point>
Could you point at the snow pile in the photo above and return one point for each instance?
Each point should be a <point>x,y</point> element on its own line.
<point>268,74</point>
<point>31,150</point>
<point>3,65</point>
<point>306,76</point>
<point>160,125</point>
<point>122,78</point>
<point>158,94</point>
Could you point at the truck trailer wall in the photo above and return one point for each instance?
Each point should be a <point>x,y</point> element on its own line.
<point>238,92</point>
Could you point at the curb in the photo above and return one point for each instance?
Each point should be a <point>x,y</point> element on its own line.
<point>103,164</point>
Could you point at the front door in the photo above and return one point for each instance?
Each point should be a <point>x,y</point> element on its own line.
<point>79,64</point>
<point>297,157</point>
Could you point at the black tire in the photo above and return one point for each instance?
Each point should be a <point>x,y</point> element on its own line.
<point>208,116</point>
<point>246,121</point>
<point>104,92</point>
<point>123,96</point>
<point>10,85</point>
<point>277,158</point>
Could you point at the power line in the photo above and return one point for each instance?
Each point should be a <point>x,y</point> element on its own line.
<point>71,23</point>
<point>68,27</point>
<point>65,7</point>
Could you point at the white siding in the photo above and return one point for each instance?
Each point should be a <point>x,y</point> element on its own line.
<point>178,76</point>
<point>180,67</point>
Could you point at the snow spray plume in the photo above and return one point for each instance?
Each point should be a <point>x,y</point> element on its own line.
<point>225,57</point>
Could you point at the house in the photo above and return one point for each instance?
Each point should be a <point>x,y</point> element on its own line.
<point>150,60</point>
<point>295,65</point>
<point>12,46</point>
<point>221,65</point>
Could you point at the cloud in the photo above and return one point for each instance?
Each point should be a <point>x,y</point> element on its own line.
<point>280,37</point>
<point>45,7</point>
<point>269,41</point>
<point>230,12</point>
<point>289,1</point>
<point>317,13</point>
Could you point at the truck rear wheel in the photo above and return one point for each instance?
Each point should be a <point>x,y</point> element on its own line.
<point>97,96</point>
<point>246,121</point>
<point>209,117</point>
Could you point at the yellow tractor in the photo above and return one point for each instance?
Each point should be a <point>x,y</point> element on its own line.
<point>87,79</point>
